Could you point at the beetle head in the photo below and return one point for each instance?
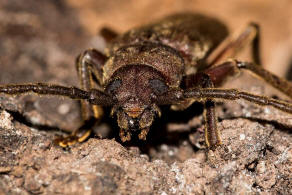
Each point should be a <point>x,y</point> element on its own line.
<point>134,89</point>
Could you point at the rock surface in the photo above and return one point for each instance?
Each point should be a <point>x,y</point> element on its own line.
<point>256,155</point>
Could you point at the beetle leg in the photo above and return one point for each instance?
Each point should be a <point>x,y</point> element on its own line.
<point>108,34</point>
<point>279,83</point>
<point>89,65</point>
<point>93,96</point>
<point>234,94</point>
<point>219,73</point>
<point>45,89</point>
<point>231,46</point>
<point>212,134</point>
<point>203,94</point>
<point>80,135</point>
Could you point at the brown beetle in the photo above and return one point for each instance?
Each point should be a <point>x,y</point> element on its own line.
<point>176,61</point>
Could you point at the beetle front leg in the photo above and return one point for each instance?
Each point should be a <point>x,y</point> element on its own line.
<point>89,64</point>
<point>212,134</point>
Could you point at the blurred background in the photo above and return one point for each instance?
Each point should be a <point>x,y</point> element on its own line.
<point>274,18</point>
<point>39,40</point>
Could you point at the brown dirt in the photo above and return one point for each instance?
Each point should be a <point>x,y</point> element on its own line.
<point>39,41</point>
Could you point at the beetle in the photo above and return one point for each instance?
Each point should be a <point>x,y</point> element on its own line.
<point>175,61</point>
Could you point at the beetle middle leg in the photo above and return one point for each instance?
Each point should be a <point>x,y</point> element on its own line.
<point>89,65</point>
<point>220,73</point>
<point>229,48</point>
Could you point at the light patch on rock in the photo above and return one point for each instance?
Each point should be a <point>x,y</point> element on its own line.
<point>242,137</point>
<point>35,119</point>
<point>261,167</point>
<point>5,120</point>
<point>64,109</point>
<point>267,110</point>
<point>164,147</point>
<point>163,193</point>
<point>179,177</point>
<point>284,156</point>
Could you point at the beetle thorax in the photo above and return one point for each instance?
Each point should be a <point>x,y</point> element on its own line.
<point>162,58</point>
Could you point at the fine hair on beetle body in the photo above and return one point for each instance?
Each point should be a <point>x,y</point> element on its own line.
<point>176,61</point>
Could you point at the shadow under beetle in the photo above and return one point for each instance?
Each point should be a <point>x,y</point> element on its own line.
<point>176,61</point>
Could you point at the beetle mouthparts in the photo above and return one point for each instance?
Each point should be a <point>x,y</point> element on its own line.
<point>125,135</point>
<point>134,112</point>
<point>143,133</point>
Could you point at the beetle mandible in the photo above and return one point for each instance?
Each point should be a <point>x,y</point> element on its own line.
<point>176,61</point>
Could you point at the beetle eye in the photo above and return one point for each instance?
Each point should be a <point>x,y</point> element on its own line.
<point>159,87</point>
<point>112,87</point>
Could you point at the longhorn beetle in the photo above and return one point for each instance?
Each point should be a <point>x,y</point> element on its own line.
<point>176,61</point>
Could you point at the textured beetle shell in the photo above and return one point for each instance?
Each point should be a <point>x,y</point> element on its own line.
<point>190,37</point>
<point>163,59</point>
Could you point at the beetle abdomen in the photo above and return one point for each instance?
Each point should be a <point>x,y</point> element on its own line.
<point>193,35</point>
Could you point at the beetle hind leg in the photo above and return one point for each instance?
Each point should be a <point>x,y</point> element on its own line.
<point>231,46</point>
